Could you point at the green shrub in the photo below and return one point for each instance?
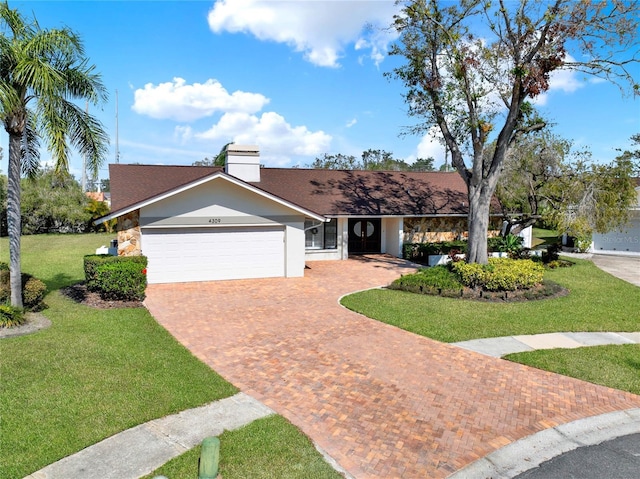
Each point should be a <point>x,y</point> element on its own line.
<point>419,252</point>
<point>436,280</point>
<point>4,266</point>
<point>10,316</point>
<point>122,280</point>
<point>33,290</point>
<point>470,274</point>
<point>93,261</point>
<point>501,274</point>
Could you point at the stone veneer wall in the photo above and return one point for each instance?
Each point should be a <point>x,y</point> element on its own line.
<point>436,230</point>
<point>129,234</point>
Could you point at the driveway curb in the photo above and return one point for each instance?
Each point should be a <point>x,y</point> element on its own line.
<point>529,452</point>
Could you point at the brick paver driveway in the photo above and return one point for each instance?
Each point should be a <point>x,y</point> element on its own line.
<point>381,401</point>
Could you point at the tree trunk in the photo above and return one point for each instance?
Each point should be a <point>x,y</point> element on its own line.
<point>13,218</point>
<point>479,210</point>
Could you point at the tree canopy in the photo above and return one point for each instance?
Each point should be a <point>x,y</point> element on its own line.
<point>472,68</point>
<point>371,159</point>
<point>545,179</point>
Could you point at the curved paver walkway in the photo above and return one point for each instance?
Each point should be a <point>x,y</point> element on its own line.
<point>381,401</point>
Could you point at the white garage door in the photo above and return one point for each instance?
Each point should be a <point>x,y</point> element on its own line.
<point>627,241</point>
<point>207,254</point>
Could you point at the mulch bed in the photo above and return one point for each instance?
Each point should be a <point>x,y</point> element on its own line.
<point>80,294</point>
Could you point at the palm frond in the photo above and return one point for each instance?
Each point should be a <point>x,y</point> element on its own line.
<point>30,148</point>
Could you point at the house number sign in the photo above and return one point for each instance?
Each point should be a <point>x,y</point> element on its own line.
<point>215,221</point>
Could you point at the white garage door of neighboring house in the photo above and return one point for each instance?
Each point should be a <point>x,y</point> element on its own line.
<point>627,241</point>
<point>207,254</point>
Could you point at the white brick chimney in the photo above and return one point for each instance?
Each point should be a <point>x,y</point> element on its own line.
<point>243,162</point>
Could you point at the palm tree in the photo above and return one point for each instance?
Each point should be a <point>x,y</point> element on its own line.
<point>42,73</point>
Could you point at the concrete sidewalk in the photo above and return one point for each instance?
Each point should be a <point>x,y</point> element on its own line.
<point>498,347</point>
<point>141,450</point>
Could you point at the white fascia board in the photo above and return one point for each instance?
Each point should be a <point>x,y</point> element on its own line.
<point>204,180</point>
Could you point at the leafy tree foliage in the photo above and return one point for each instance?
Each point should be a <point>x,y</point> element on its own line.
<point>45,79</point>
<point>53,203</point>
<point>473,66</point>
<point>219,159</point>
<point>378,160</point>
<point>544,179</point>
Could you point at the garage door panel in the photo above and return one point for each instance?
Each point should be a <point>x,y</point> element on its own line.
<point>208,254</point>
<point>625,241</point>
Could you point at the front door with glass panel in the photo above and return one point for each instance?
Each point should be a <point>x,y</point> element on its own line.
<point>364,235</point>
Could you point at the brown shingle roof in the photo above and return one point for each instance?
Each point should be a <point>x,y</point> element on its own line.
<point>327,192</point>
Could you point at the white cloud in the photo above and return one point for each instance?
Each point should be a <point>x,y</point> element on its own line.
<point>352,122</point>
<point>180,101</point>
<point>279,141</point>
<point>430,147</point>
<point>319,29</point>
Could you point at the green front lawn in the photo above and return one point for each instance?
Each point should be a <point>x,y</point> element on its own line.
<point>597,302</point>
<point>615,366</point>
<point>95,373</point>
<point>265,449</point>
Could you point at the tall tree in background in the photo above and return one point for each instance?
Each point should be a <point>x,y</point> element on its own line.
<point>472,66</point>
<point>373,160</point>
<point>543,178</point>
<point>42,73</point>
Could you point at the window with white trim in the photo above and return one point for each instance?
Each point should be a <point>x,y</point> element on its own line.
<point>321,235</point>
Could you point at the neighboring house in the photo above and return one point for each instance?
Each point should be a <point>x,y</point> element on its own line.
<point>627,240</point>
<point>243,221</point>
<point>103,197</point>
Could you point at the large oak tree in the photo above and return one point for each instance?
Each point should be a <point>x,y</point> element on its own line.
<point>45,80</point>
<point>471,68</point>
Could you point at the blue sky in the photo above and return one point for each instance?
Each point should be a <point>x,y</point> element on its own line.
<point>298,78</point>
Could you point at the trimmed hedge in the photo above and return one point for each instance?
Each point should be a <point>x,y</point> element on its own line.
<point>501,274</point>
<point>33,290</point>
<point>120,278</point>
<point>418,252</point>
<point>438,280</point>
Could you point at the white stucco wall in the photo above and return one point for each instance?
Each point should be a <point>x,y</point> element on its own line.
<point>392,236</point>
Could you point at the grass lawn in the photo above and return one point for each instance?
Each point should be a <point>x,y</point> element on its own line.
<point>597,302</point>
<point>616,366</point>
<point>279,451</point>
<point>93,373</point>
<point>543,237</point>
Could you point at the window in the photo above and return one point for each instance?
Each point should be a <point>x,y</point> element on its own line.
<point>321,236</point>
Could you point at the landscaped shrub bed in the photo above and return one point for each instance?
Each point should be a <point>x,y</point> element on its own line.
<point>501,274</point>
<point>503,279</point>
<point>10,316</point>
<point>116,277</point>
<point>439,280</point>
<point>33,290</point>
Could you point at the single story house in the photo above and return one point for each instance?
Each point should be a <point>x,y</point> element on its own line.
<point>624,241</point>
<point>244,221</point>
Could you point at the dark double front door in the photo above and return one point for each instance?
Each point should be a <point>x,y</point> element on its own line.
<point>365,235</point>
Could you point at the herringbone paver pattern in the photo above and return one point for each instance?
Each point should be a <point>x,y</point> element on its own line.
<point>381,401</point>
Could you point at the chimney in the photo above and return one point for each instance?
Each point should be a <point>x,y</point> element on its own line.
<point>243,162</point>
